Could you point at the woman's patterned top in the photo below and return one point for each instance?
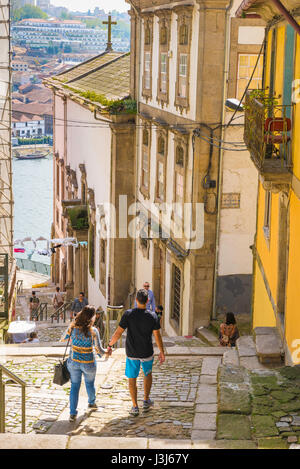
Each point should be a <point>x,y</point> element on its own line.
<point>82,347</point>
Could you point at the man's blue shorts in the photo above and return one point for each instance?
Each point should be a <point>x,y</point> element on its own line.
<point>133,367</point>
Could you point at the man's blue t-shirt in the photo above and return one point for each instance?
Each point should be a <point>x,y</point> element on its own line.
<point>140,323</point>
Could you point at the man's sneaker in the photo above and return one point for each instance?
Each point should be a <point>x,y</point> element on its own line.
<point>147,404</point>
<point>134,411</point>
<point>72,418</point>
<point>93,406</point>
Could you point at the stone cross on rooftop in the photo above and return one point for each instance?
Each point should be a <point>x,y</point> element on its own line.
<point>109,22</point>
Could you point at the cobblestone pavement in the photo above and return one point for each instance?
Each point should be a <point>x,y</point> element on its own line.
<point>44,400</point>
<point>174,391</point>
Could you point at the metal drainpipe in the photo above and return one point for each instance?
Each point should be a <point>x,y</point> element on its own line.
<point>220,179</point>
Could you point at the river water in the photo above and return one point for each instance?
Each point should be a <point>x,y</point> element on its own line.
<point>33,197</point>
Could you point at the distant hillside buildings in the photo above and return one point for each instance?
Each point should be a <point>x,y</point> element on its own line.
<point>42,33</point>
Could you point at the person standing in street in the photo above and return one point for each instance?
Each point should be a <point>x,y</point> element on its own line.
<point>58,299</point>
<point>82,360</point>
<point>33,305</point>
<point>151,299</point>
<point>140,323</point>
<point>78,304</point>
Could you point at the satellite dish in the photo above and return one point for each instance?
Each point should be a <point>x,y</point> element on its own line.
<point>234,104</point>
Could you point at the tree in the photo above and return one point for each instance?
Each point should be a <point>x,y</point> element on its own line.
<point>28,11</point>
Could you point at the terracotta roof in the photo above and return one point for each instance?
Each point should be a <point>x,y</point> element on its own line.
<point>33,109</point>
<point>25,118</point>
<point>107,74</point>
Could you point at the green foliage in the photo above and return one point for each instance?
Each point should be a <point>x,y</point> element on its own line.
<point>78,217</point>
<point>263,97</point>
<point>117,106</point>
<point>28,11</point>
<point>34,141</point>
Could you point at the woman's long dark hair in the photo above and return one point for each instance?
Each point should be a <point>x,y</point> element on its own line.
<point>230,319</point>
<point>83,319</point>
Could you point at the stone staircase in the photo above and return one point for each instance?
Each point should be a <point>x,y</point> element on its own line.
<point>260,351</point>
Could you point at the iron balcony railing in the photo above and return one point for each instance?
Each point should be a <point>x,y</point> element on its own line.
<point>15,379</point>
<point>267,132</point>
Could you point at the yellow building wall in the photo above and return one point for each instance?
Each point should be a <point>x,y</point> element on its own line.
<point>263,314</point>
<point>296,114</point>
<point>292,321</point>
<point>279,63</point>
<point>268,251</point>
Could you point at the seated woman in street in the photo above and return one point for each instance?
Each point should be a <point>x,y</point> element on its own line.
<point>229,332</point>
<point>82,359</point>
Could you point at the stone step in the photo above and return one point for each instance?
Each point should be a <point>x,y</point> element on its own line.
<point>269,348</point>
<point>207,336</point>
<point>231,357</point>
<point>246,346</point>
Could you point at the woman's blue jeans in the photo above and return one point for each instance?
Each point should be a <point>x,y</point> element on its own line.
<point>76,370</point>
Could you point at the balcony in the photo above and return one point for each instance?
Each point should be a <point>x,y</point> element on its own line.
<point>267,136</point>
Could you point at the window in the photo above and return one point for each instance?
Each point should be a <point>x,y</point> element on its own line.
<point>163,35</point>
<point>179,191</point>
<point>163,73</point>
<point>184,34</point>
<point>160,180</point>
<point>145,162</point>
<point>246,64</point>
<point>161,146</point>
<point>147,76</point>
<point>180,156</point>
<point>145,168</point>
<point>147,73</point>
<point>182,75</point>
<point>176,293</point>
<point>267,219</point>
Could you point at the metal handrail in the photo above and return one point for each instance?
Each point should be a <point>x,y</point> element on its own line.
<point>22,383</point>
<point>62,310</point>
<point>39,313</point>
<point>111,310</point>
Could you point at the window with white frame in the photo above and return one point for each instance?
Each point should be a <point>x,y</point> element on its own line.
<point>147,79</point>
<point>183,58</point>
<point>163,72</point>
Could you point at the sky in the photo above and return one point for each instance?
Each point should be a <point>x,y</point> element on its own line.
<point>85,5</point>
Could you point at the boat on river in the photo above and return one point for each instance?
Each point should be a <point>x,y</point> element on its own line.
<point>36,155</point>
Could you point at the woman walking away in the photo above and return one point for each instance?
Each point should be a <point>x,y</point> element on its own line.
<point>82,359</point>
<point>229,332</point>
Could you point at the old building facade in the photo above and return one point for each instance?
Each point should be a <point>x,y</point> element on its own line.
<point>93,165</point>
<point>182,55</point>
<point>272,136</point>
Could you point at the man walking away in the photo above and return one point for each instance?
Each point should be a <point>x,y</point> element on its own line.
<point>78,304</point>
<point>151,299</point>
<point>140,323</point>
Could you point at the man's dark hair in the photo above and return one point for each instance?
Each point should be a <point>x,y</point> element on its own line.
<point>33,293</point>
<point>81,293</point>
<point>160,308</point>
<point>57,289</point>
<point>142,296</point>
